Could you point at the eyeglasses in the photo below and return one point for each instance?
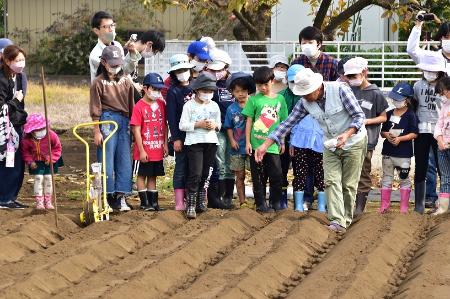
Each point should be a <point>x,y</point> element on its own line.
<point>110,26</point>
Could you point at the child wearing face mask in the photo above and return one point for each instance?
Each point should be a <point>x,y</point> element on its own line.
<point>178,94</point>
<point>200,120</point>
<point>112,99</point>
<point>279,64</point>
<point>442,135</point>
<point>36,154</point>
<point>149,127</point>
<point>374,105</point>
<point>427,103</point>
<point>399,130</point>
<point>310,39</point>
<point>223,177</point>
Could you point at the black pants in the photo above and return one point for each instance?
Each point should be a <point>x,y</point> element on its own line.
<point>270,166</point>
<point>200,164</point>
<point>285,159</point>
<point>422,145</point>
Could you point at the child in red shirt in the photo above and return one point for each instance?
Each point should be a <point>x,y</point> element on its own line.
<point>149,125</point>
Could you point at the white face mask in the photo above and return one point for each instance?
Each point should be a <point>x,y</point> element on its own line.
<point>39,134</point>
<point>147,53</point>
<point>279,75</point>
<point>115,70</point>
<point>198,66</point>
<point>355,82</point>
<point>309,50</point>
<point>204,97</point>
<point>221,74</point>
<point>154,94</point>
<point>109,36</point>
<point>399,105</point>
<point>184,76</point>
<point>430,76</point>
<point>17,67</point>
<point>446,45</point>
<point>291,85</point>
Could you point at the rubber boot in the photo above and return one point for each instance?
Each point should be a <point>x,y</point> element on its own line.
<point>284,200</point>
<point>201,201</point>
<point>321,202</point>
<point>385,200</point>
<point>229,192</point>
<point>190,205</point>
<point>39,202</point>
<point>404,199</point>
<point>298,201</point>
<point>214,201</point>
<point>179,200</point>
<point>361,199</point>
<point>152,195</point>
<point>48,202</point>
<point>113,203</point>
<point>144,201</point>
<point>419,197</point>
<point>443,202</point>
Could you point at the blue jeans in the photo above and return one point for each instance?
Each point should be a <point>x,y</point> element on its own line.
<point>431,178</point>
<point>118,153</point>
<point>223,155</point>
<point>180,171</point>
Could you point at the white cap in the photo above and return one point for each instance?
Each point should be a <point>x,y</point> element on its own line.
<point>219,58</point>
<point>278,59</point>
<point>179,61</point>
<point>306,82</point>
<point>209,41</point>
<point>355,66</point>
<point>432,62</point>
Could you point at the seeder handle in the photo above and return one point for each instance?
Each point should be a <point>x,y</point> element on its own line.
<point>86,144</point>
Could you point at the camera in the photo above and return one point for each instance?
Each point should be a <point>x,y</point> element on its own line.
<point>425,17</point>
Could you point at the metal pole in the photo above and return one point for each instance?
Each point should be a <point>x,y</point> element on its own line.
<point>5,17</point>
<point>49,146</point>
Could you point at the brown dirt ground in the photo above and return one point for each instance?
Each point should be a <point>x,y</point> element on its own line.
<point>221,254</point>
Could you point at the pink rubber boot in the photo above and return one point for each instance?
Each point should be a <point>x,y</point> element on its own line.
<point>385,199</point>
<point>48,202</point>
<point>40,202</point>
<point>179,200</point>
<point>404,199</point>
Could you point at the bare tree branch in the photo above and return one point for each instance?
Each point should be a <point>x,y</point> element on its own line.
<point>322,13</point>
<point>252,29</point>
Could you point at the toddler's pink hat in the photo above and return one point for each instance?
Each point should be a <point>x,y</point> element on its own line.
<point>34,122</point>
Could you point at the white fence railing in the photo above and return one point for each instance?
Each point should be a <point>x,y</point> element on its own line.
<point>388,60</point>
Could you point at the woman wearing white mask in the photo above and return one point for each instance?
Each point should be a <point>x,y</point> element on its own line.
<point>178,94</point>
<point>200,120</point>
<point>443,35</point>
<point>310,39</point>
<point>279,64</point>
<point>112,98</point>
<point>427,104</point>
<point>12,119</point>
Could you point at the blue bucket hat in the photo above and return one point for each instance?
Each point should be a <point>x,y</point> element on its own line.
<point>154,80</point>
<point>293,70</point>
<point>401,91</point>
<point>248,77</point>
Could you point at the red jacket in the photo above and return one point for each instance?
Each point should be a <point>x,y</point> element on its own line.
<point>37,150</point>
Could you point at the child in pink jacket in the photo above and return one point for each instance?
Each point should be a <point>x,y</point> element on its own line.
<point>35,153</point>
<point>442,135</point>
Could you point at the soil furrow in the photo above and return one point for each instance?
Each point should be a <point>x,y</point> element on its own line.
<point>266,279</point>
<point>361,265</point>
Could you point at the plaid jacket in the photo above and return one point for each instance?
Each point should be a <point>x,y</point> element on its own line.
<point>325,65</point>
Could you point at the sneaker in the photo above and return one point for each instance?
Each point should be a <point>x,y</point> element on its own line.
<point>123,204</point>
<point>14,205</point>
<point>336,228</point>
<point>305,207</point>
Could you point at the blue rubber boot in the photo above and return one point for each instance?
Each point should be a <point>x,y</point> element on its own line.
<point>298,201</point>
<point>321,202</point>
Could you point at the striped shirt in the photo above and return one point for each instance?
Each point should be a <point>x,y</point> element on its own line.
<point>299,112</point>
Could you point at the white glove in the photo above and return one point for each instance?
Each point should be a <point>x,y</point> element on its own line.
<point>18,95</point>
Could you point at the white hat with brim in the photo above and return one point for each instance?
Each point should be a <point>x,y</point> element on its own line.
<point>179,61</point>
<point>216,65</point>
<point>355,66</point>
<point>306,82</point>
<point>432,63</point>
<point>183,65</point>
